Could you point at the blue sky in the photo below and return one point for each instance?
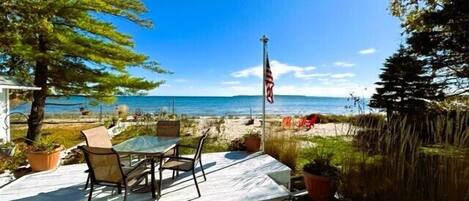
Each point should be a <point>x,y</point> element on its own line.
<point>316,48</point>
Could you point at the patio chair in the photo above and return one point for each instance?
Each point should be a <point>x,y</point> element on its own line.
<point>286,122</point>
<point>106,170</point>
<point>98,137</point>
<point>169,129</point>
<point>313,119</point>
<point>301,122</point>
<point>187,164</point>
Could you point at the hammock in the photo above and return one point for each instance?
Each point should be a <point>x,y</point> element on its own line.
<point>64,104</point>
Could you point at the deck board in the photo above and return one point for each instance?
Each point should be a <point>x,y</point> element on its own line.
<point>230,176</point>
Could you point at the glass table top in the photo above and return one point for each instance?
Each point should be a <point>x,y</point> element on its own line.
<point>147,145</point>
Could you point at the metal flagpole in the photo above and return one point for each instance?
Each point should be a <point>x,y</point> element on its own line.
<point>264,41</point>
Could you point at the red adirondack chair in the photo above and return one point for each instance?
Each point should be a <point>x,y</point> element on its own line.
<point>310,122</point>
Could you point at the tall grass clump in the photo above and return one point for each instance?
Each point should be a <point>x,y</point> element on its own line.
<point>405,171</point>
<point>283,147</point>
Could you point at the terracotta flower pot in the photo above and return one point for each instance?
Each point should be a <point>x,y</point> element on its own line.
<point>252,144</point>
<point>41,160</point>
<point>319,188</point>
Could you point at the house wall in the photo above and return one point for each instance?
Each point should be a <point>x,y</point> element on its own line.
<point>4,110</point>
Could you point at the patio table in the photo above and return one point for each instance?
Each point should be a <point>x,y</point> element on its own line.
<point>151,147</point>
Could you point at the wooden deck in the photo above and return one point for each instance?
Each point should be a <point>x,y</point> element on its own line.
<point>230,176</point>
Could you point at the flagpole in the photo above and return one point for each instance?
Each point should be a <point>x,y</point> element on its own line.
<point>264,41</point>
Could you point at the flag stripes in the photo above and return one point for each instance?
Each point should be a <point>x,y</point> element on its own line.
<point>269,82</point>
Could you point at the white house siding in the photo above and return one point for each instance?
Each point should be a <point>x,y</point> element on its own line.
<point>4,125</point>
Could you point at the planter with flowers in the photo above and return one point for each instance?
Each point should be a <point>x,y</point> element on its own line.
<point>321,177</point>
<point>252,141</point>
<point>44,154</point>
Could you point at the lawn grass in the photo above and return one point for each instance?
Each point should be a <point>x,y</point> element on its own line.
<point>338,146</point>
<point>66,134</point>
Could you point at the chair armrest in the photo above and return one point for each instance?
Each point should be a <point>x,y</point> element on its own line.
<point>179,157</point>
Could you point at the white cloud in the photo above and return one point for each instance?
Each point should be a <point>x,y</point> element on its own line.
<point>342,90</point>
<point>344,64</point>
<point>367,51</point>
<point>342,75</point>
<point>231,82</point>
<point>279,69</point>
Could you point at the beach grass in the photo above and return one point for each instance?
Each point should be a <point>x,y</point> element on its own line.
<point>67,135</point>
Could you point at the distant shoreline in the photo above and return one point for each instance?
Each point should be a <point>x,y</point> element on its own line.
<point>200,105</point>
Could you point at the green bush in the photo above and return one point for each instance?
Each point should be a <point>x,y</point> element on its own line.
<point>333,118</point>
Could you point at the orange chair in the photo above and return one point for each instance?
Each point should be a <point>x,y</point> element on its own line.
<point>310,122</point>
<point>301,122</point>
<point>286,122</point>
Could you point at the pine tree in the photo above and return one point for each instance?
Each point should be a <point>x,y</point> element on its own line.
<point>405,88</point>
<point>438,32</point>
<point>67,48</point>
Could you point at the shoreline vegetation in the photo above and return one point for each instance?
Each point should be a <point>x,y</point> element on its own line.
<point>367,148</point>
<point>358,144</point>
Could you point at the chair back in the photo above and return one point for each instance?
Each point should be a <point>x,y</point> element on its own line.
<point>286,122</point>
<point>168,128</point>
<point>97,137</point>
<point>200,145</point>
<point>301,122</point>
<point>104,164</point>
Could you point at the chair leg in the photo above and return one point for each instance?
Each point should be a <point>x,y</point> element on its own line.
<point>119,189</point>
<point>91,192</point>
<point>87,181</point>
<point>125,193</point>
<point>195,181</point>
<point>174,172</point>
<point>160,183</point>
<point>202,168</point>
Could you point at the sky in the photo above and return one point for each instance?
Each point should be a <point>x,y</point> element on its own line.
<point>316,47</point>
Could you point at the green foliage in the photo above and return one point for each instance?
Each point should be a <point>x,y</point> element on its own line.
<point>333,149</point>
<point>66,134</point>
<point>67,48</point>
<point>333,118</point>
<point>438,33</point>
<point>44,144</point>
<point>283,147</point>
<point>322,168</point>
<point>407,168</point>
<point>252,133</point>
<point>211,145</point>
<point>14,162</point>
<point>85,54</point>
<point>405,87</point>
<point>237,144</point>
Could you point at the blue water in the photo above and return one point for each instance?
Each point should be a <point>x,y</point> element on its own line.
<point>206,106</point>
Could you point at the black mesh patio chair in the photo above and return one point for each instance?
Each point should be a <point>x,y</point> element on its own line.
<point>99,137</point>
<point>187,164</point>
<point>169,129</point>
<point>105,169</point>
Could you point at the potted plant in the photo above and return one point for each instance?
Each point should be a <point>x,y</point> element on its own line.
<point>44,154</point>
<point>252,141</point>
<point>7,149</point>
<point>320,177</point>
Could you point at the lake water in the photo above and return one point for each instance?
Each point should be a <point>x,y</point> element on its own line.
<point>205,106</point>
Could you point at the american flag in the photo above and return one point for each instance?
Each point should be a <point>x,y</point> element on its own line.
<point>269,82</point>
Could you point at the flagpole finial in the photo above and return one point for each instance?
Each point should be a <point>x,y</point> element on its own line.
<point>264,39</point>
